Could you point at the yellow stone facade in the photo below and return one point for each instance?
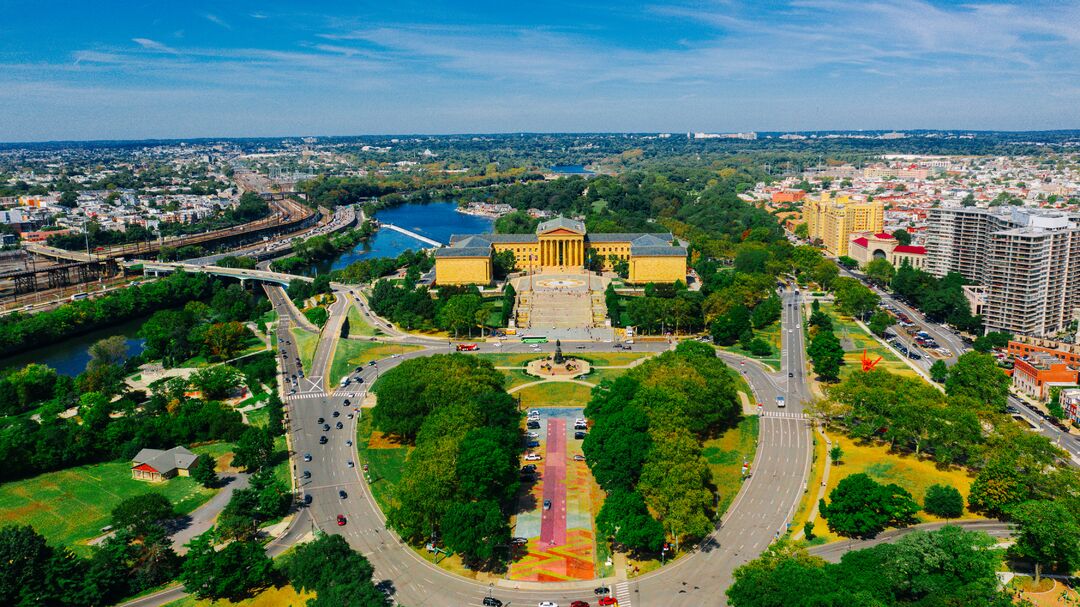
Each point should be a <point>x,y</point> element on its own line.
<point>560,245</point>
<point>463,270</point>
<point>834,220</point>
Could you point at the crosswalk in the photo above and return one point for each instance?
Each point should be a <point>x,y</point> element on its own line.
<point>622,594</point>
<point>306,395</point>
<point>785,414</point>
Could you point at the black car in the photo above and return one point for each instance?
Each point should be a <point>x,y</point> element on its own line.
<point>490,601</point>
<point>307,499</point>
<point>346,403</point>
<point>533,425</point>
<point>326,427</point>
<point>322,440</point>
<point>579,435</point>
<point>339,426</point>
<point>335,414</point>
<point>791,375</point>
<point>528,468</point>
<point>341,493</point>
<point>532,444</point>
<point>307,473</point>
<point>321,420</point>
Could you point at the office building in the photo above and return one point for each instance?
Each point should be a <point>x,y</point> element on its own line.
<point>833,220</point>
<point>1027,260</point>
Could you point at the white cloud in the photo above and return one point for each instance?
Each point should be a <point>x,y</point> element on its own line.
<point>217,21</point>
<point>154,45</point>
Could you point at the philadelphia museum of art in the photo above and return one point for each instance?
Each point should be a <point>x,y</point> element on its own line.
<point>560,245</point>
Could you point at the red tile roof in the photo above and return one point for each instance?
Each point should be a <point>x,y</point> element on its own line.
<point>884,236</point>
<point>861,241</point>
<point>910,248</point>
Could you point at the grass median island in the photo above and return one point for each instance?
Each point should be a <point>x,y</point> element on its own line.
<point>725,455</point>
<point>305,341</point>
<point>71,506</point>
<point>358,325</point>
<point>772,336</point>
<point>352,353</point>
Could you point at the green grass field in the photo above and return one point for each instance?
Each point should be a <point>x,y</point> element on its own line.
<point>305,341</point>
<point>554,394</point>
<point>509,360</point>
<point>384,463</point>
<point>596,376</point>
<point>358,326</point>
<point>517,377</point>
<point>352,353</point>
<point>71,506</point>
<point>847,330</point>
<point>725,455</point>
<point>271,597</point>
<point>914,474</point>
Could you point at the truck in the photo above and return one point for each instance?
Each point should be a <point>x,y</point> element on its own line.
<point>780,401</point>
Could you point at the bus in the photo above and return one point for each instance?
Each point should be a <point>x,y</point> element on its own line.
<point>533,339</point>
<point>467,347</point>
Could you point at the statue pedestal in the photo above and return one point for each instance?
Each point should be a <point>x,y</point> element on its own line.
<point>546,368</point>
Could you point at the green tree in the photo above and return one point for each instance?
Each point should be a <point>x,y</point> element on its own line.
<point>317,315</point>
<point>766,312</point>
<point>224,340</point>
<point>859,507</point>
<point>939,371</point>
<point>142,514</point>
<point>727,328</point>
<point>977,376</point>
<point>902,236</point>
<point>802,231</point>
<point>217,381</point>
<point>503,263</point>
<point>203,471</point>
<point>1049,535</point>
<point>808,530</point>
<point>848,262</point>
<point>836,453</point>
<point>625,518</point>
<point>880,271</point>
<point>944,501</point>
<point>459,313</point>
<point>880,321</point>
<point>230,573</point>
<point>254,449</point>
<point>852,298</point>
<point>826,354</point>
<point>475,529</point>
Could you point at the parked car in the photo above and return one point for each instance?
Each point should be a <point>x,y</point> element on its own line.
<point>322,440</point>
<point>579,604</point>
<point>339,426</point>
<point>532,444</point>
<point>547,504</point>
<point>519,541</point>
<point>533,457</point>
<point>335,414</point>
<point>579,457</point>
<point>528,468</point>
<point>341,520</point>
<point>326,427</point>
<point>307,457</point>
<point>579,435</point>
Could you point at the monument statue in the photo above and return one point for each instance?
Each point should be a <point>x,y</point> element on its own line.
<point>559,359</point>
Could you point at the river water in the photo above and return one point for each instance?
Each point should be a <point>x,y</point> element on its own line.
<point>70,356</point>
<point>435,220</point>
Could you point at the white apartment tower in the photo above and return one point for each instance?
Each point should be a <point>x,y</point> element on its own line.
<point>1027,260</point>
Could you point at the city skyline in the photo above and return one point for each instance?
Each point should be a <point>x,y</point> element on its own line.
<point>113,71</point>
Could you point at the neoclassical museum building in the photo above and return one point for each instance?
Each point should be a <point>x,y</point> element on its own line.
<point>560,245</point>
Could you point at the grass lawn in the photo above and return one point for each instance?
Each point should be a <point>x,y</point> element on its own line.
<point>726,454</point>
<point>384,459</point>
<point>305,346</point>
<point>71,506</point>
<point>809,499</point>
<point>351,353</point>
<point>510,360</point>
<point>855,339</point>
<point>271,597</point>
<point>358,326</point>
<point>607,359</point>
<point>909,472</point>
<point>596,376</point>
<point>554,394</point>
<point>517,377</point>
<point>741,385</point>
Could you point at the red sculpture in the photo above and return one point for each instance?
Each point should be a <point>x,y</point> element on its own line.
<point>867,364</point>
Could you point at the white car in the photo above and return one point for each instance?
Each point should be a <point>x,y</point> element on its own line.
<point>547,604</point>
<point>533,457</point>
<point>496,345</point>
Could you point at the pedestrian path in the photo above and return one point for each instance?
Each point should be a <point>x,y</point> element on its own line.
<point>785,414</point>
<point>622,594</point>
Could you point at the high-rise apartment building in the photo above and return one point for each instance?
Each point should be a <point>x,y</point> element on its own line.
<point>833,220</point>
<point>1028,262</point>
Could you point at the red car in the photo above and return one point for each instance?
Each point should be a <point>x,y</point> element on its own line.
<point>579,604</point>
<point>608,600</point>
<point>341,520</point>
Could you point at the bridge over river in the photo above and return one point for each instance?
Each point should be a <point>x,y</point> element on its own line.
<point>424,239</point>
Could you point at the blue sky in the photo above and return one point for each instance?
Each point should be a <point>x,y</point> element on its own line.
<point>139,69</point>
